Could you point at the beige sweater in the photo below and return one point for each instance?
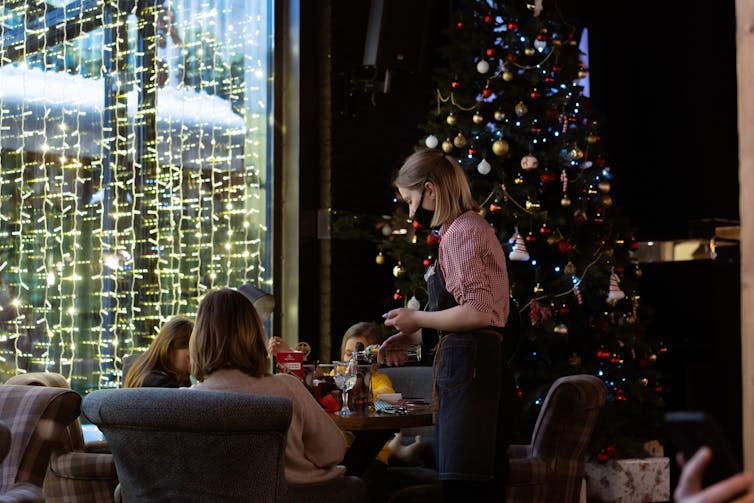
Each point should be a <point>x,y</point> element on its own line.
<point>315,445</point>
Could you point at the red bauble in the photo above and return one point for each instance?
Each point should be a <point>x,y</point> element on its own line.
<point>472,151</point>
<point>427,262</point>
<point>512,26</point>
<point>490,52</point>
<point>495,207</point>
<point>488,19</point>
<point>433,239</point>
<point>486,92</point>
<point>534,94</point>
<point>564,246</point>
<point>564,311</point>
<point>619,270</point>
<point>530,238</point>
<point>459,24</point>
<point>557,68</point>
<point>415,224</point>
<point>455,84</point>
<point>634,245</point>
<point>544,230</point>
<point>511,57</point>
<point>397,296</point>
<point>547,177</point>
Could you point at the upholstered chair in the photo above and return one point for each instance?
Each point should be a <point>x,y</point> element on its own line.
<point>78,471</point>
<point>551,466</point>
<point>37,419</point>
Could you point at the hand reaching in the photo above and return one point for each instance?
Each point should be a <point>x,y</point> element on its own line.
<point>735,489</point>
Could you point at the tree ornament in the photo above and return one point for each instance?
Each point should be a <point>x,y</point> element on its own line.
<point>604,186</point>
<point>455,84</point>
<point>606,200</point>
<point>380,258</point>
<point>433,238</point>
<point>427,262</point>
<point>614,293</point>
<point>574,360</point>
<point>398,270</point>
<point>489,18</point>
<point>570,268</point>
<point>431,141</point>
<point>521,109</point>
<point>591,139</point>
<point>499,114</point>
<point>529,51</point>
<point>580,217</point>
<point>486,92</point>
<point>532,204</point>
<point>529,163</point>
<point>540,45</point>
<point>576,154</point>
<point>478,118</point>
<point>583,72</point>
<point>500,147</point>
<point>397,295</point>
<point>490,52</point>
<point>531,238</point>
<point>534,95</point>
<point>387,230</point>
<point>507,76</point>
<point>413,303</point>
<point>451,119</point>
<point>459,141</point>
<point>565,202</point>
<point>483,67</point>
<point>484,167</point>
<point>519,252</point>
<point>561,329</point>
<point>447,146</point>
<point>564,247</point>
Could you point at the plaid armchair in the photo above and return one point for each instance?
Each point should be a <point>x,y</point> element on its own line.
<point>551,467</point>
<point>36,418</point>
<point>78,471</point>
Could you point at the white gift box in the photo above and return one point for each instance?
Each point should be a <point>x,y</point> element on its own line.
<point>629,480</point>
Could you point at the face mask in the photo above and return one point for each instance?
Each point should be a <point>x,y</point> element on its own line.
<point>424,217</point>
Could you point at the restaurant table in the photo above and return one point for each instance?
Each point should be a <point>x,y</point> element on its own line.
<point>372,430</point>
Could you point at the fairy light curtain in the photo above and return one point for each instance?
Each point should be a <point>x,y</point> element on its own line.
<point>104,233</point>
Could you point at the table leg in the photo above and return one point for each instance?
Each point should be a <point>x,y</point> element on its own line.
<point>365,447</point>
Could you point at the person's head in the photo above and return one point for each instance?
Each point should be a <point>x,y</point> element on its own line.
<point>228,334</point>
<point>262,301</point>
<point>168,352</point>
<point>365,332</point>
<point>435,182</point>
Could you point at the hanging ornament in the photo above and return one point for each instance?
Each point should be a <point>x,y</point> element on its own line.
<point>521,109</point>
<point>576,154</point>
<point>561,329</point>
<point>570,268</point>
<point>574,360</point>
<point>447,146</point>
<point>484,167</point>
<point>433,238</point>
<point>380,258</point>
<point>455,84</point>
<point>583,72</point>
<point>529,51</point>
<point>604,186</point>
<point>499,114</point>
<point>397,295</point>
<point>564,247</point>
<point>387,230</point>
<point>451,119</point>
<point>532,204</point>
<point>459,141</point>
<point>500,147</point>
<point>483,67</point>
<point>486,92</point>
<point>431,141</point>
<point>565,202</point>
<point>529,162</point>
<point>540,45</point>
<point>490,52</point>
<point>398,270</point>
<point>413,303</point>
<point>427,262</point>
<point>592,139</point>
<point>507,76</point>
<point>615,293</point>
<point>519,252</point>
<point>478,118</point>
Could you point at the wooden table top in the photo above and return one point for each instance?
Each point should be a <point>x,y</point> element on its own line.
<point>359,421</point>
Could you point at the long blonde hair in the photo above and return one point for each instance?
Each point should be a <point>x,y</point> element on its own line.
<point>228,334</point>
<point>451,186</point>
<point>174,334</point>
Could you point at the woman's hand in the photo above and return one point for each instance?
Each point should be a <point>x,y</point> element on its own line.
<point>690,490</point>
<point>393,350</point>
<point>276,344</point>
<point>403,319</point>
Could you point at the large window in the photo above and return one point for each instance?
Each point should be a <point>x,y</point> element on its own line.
<point>135,173</point>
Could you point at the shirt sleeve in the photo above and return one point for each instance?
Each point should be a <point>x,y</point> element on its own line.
<point>323,441</point>
<point>464,252</point>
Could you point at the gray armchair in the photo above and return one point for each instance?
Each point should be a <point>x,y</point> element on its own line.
<point>36,419</point>
<point>194,446</point>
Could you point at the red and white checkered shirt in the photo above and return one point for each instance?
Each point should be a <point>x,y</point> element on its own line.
<point>473,267</point>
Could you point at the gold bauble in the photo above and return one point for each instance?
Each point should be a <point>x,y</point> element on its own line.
<point>606,200</point>
<point>583,73</point>
<point>638,272</point>
<point>499,114</point>
<point>478,118</point>
<point>529,51</point>
<point>591,139</point>
<point>451,119</point>
<point>459,141</point>
<point>398,270</point>
<point>565,202</point>
<point>521,109</point>
<point>604,186</point>
<point>608,252</point>
<point>447,146</point>
<point>576,154</point>
<point>532,205</point>
<point>570,269</point>
<point>380,258</point>
<point>644,381</point>
<point>500,147</point>
<point>507,76</point>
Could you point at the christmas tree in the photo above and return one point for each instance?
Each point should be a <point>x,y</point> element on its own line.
<point>510,106</point>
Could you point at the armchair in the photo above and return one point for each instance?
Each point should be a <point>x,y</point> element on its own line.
<point>194,446</point>
<point>36,418</point>
<point>78,471</point>
<point>551,467</point>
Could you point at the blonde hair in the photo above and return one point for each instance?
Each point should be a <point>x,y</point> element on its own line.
<point>174,334</point>
<point>228,334</point>
<point>453,194</point>
<point>369,331</point>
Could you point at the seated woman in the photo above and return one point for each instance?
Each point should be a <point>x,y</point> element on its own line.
<point>165,364</point>
<point>229,353</point>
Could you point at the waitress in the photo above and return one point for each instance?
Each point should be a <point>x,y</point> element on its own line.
<point>468,307</point>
